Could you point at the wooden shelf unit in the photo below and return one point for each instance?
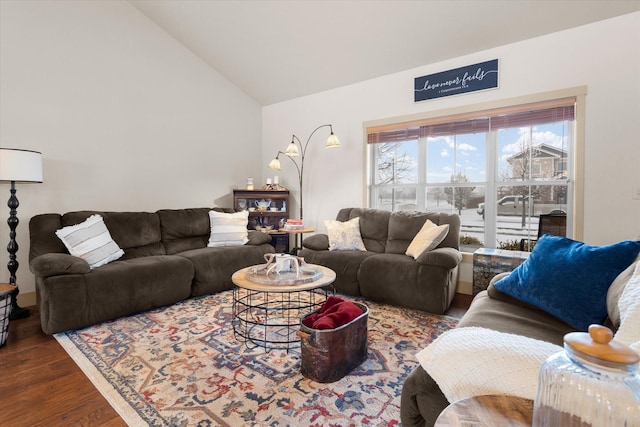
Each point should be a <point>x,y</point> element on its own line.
<point>246,199</point>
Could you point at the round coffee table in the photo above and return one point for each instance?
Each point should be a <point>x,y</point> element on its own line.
<point>489,410</point>
<point>268,315</point>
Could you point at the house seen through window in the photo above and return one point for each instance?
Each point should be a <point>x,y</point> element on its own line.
<point>500,170</point>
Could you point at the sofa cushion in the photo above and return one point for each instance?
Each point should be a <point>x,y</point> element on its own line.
<point>42,235</point>
<point>258,238</point>
<point>137,233</point>
<point>228,229</point>
<point>569,279</point>
<point>117,289</point>
<point>526,320</point>
<point>184,229</point>
<point>213,267</point>
<point>404,225</point>
<point>345,263</point>
<point>374,226</point>
<point>345,236</point>
<point>428,238</point>
<point>91,241</point>
<point>317,242</point>
<point>399,280</point>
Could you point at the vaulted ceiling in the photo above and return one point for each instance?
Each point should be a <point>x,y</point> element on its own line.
<point>280,50</point>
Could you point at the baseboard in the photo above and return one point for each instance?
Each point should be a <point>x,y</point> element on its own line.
<point>26,299</point>
<point>463,287</point>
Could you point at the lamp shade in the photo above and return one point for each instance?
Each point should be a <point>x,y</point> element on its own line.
<point>333,141</point>
<point>20,165</point>
<point>275,164</point>
<point>292,150</point>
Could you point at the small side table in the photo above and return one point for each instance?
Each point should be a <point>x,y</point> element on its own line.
<point>297,235</point>
<point>6,289</point>
<point>488,262</point>
<point>488,411</point>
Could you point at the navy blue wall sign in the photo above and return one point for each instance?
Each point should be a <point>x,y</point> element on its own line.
<point>460,80</point>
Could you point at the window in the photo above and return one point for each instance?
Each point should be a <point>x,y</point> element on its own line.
<point>499,168</point>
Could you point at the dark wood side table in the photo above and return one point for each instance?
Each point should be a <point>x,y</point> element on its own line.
<point>488,411</point>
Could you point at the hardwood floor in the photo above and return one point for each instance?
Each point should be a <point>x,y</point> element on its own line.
<point>40,385</point>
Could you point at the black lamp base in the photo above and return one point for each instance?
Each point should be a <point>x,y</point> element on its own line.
<point>19,313</point>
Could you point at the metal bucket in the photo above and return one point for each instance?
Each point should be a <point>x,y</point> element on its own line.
<point>330,354</point>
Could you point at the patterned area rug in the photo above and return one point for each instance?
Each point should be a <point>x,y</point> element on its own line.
<point>182,366</point>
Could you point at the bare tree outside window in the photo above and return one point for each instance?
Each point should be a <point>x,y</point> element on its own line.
<point>459,196</point>
<point>394,166</point>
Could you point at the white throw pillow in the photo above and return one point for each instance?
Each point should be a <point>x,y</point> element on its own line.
<point>91,241</point>
<point>228,229</point>
<point>629,306</point>
<point>345,236</point>
<point>428,238</point>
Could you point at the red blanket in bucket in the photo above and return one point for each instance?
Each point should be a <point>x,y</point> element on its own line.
<point>334,312</point>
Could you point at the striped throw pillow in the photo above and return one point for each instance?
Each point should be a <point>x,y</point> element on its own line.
<point>228,229</point>
<point>91,241</point>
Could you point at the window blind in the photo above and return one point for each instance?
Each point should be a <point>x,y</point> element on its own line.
<point>483,121</point>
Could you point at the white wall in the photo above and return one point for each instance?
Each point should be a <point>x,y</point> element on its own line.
<point>603,56</point>
<point>126,118</point>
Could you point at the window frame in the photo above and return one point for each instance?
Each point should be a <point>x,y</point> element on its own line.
<point>575,220</point>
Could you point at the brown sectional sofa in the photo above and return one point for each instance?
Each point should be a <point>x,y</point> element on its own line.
<point>383,272</point>
<point>166,260</point>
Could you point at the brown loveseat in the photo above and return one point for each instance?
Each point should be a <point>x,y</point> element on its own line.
<point>383,272</point>
<point>166,260</point>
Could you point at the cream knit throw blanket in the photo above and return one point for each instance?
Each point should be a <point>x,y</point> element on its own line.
<point>467,362</point>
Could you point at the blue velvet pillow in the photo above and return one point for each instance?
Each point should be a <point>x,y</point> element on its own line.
<point>569,279</point>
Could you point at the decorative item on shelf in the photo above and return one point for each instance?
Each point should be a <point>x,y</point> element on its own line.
<point>273,187</point>
<point>249,183</point>
<point>262,205</point>
<point>293,151</point>
<point>293,224</point>
<point>23,166</point>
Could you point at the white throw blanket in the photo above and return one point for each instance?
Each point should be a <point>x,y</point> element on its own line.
<point>474,361</point>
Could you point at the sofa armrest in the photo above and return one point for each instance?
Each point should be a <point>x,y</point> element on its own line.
<point>54,264</point>
<point>442,257</point>
<point>257,238</point>
<point>317,242</point>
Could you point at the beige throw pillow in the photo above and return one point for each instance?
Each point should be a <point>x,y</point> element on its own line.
<point>428,238</point>
<point>228,229</point>
<point>345,236</point>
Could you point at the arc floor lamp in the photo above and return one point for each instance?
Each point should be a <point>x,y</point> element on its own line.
<point>294,151</point>
<point>17,166</point>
